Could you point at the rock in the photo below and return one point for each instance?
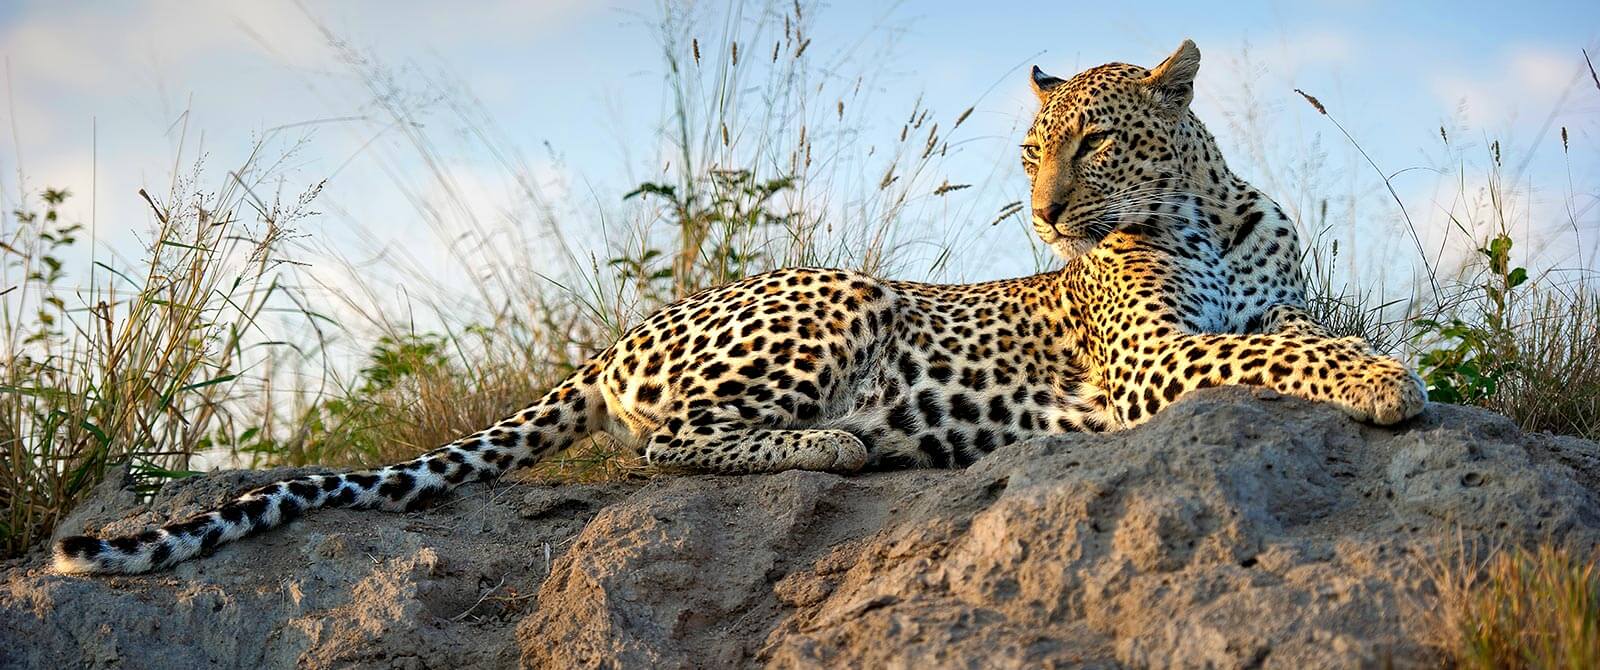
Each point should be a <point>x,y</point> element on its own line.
<point>1231,531</point>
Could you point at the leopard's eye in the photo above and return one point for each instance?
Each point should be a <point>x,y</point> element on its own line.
<point>1091,143</point>
<point>1030,153</point>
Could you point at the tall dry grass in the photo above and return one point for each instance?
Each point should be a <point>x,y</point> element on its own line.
<point>137,366</point>
<point>1516,608</point>
<point>1553,381</point>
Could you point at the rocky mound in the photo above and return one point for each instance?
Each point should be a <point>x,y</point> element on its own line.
<point>1235,530</point>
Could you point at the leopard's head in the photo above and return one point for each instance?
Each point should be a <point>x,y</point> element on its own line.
<point>1107,142</point>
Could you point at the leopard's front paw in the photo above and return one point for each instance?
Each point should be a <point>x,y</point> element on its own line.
<point>1387,392</point>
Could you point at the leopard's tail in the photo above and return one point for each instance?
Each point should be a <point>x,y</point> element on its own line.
<point>567,413</point>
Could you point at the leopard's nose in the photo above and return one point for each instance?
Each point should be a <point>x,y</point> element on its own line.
<point>1050,214</point>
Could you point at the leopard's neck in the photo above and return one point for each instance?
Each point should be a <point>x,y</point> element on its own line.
<point>1234,207</point>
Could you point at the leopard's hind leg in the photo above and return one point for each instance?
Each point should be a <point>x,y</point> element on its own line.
<point>722,442</point>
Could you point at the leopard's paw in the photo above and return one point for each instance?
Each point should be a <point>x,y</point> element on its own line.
<point>1387,393</point>
<point>831,451</point>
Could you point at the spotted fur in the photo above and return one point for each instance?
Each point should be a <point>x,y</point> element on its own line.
<point>1179,276</point>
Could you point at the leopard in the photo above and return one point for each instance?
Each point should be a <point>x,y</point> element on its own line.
<point>1176,275</point>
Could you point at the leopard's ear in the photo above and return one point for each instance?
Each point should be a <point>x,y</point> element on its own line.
<point>1043,84</point>
<point>1172,82</point>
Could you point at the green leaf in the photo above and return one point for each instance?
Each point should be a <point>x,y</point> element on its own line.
<point>116,272</point>
<point>96,431</point>
<point>170,243</point>
<point>208,382</point>
<point>652,188</point>
<point>148,469</point>
<point>1499,253</point>
<point>52,394</point>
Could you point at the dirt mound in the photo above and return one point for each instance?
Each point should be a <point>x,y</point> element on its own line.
<point>1231,531</point>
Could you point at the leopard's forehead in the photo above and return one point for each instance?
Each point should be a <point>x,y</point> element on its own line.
<point>1090,96</point>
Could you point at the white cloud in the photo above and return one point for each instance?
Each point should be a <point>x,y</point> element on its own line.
<point>235,66</point>
<point>1526,83</point>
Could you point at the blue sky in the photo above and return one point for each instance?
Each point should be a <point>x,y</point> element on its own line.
<point>98,92</point>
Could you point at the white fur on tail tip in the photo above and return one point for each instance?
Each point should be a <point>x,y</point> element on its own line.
<point>151,550</point>
<point>69,564</point>
<point>88,555</point>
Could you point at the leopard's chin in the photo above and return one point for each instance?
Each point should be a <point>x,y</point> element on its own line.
<point>1071,247</point>
<point>1067,245</point>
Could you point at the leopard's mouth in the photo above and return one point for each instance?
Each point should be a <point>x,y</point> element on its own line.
<point>1067,240</point>
<point>1088,216</point>
<point>1045,230</point>
<point>1079,227</point>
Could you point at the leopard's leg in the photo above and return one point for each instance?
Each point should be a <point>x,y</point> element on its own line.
<point>1340,371</point>
<point>720,442</point>
<point>568,412</point>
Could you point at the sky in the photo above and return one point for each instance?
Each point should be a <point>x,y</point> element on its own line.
<point>107,98</point>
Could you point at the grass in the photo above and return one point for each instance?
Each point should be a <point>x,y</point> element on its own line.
<point>1518,608</point>
<point>1554,379</point>
<point>213,347</point>
<point>146,364</point>
<point>1486,332</point>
